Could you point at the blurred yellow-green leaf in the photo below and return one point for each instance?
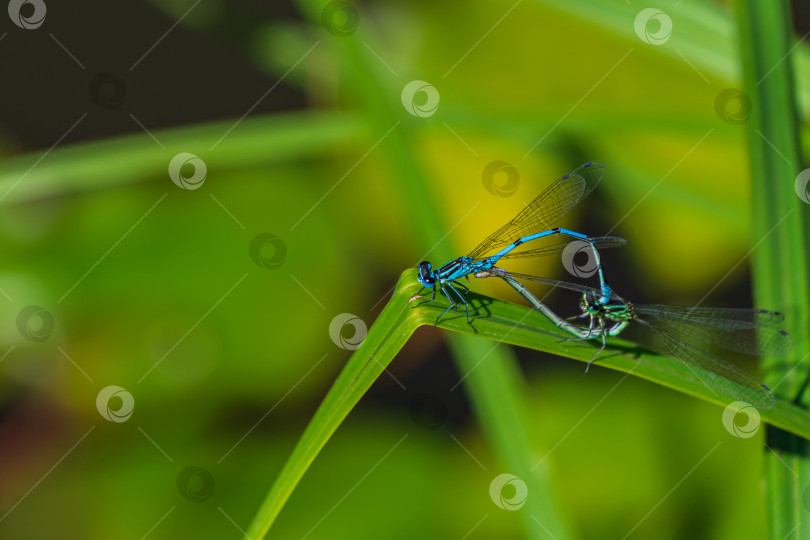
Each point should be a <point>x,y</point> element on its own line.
<point>220,309</point>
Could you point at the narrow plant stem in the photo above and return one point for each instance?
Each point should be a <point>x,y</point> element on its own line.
<point>780,263</point>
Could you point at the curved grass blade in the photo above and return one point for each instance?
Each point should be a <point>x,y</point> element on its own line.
<point>498,321</point>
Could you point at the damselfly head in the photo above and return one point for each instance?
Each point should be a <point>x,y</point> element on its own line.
<point>588,303</point>
<point>425,274</point>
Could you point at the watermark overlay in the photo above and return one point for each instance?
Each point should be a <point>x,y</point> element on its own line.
<point>427,102</point>
<point>195,484</point>
<point>107,90</point>
<point>28,14</point>
<point>35,323</point>
<point>268,251</point>
<point>733,106</point>
<point>806,498</point>
<point>115,404</point>
<point>653,26</point>
<point>340,18</point>
<point>750,428</point>
<point>508,492</point>
<point>359,332</point>
<point>802,185</point>
<point>179,171</point>
<point>508,177</point>
<point>428,411</point>
<point>583,269</point>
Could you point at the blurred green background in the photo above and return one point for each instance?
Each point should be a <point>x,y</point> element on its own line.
<point>297,112</point>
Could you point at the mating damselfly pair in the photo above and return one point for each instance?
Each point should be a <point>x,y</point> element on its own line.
<point>682,332</point>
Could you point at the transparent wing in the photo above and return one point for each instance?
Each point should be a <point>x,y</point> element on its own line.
<point>546,209</point>
<point>747,331</point>
<point>724,317</point>
<point>717,374</point>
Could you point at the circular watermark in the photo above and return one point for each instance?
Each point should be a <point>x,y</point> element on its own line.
<point>179,171</point>
<point>340,322</point>
<point>28,14</point>
<point>653,26</point>
<point>115,404</point>
<point>106,90</point>
<point>195,484</point>
<point>733,106</point>
<point>428,411</point>
<point>802,185</point>
<point>580,269</point>
<point>507,176</point>
<point>508,492</point>
<point>268,251</point>
<point>35,323</point>
<point>750,428</point>
<point>340,18</point>
<point>427,102</point>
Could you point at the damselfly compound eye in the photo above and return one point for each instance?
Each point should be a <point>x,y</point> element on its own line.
<point>425,276</point>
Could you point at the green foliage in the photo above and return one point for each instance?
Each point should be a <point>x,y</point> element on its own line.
<point>606,457</point>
